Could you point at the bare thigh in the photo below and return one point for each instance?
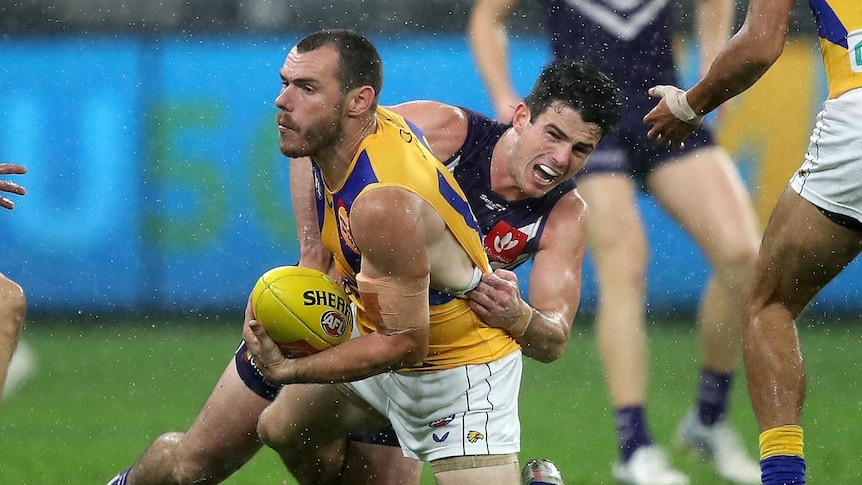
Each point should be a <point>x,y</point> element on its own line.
<point>802,251</point>
<point>615,223</point>
<point>315,414</point>
<point>374,463</point>
<point>227,424</point>
<point>704,193</point>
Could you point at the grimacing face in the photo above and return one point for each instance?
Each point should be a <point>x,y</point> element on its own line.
<point>310,108</point>
<point>551,148</point>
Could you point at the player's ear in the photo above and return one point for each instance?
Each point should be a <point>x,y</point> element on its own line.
<point>360,100</point>
<point>521,117</point>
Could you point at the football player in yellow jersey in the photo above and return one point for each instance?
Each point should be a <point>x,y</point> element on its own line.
<point>569,114</point>
<point>407,246</point>
<point>815,229</point>
<point>525,213</point>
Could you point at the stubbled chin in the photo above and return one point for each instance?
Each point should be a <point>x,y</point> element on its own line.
<point>290,150</point>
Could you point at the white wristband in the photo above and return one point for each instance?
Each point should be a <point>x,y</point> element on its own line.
<point>677,103</point>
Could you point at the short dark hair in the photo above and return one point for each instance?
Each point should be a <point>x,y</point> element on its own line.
<point>359,62</point>
<point>583,87</point>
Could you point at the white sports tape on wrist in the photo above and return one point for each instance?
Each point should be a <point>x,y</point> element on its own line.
<point>678,104</point>
<point>477,277</point>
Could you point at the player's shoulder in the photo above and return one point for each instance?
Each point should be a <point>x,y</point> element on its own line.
<point>444,126</point>
<point>569,210</point>
<point>566,225</point>
<point>425,113</point>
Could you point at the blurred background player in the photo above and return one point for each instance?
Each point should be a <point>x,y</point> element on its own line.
<point>15,366</point>
<point>698,187</point>
<point>815,229</point>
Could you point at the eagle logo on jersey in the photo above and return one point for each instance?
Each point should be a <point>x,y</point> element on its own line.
<point>474,436</point>
<point>623,18</point>
<point>344,226</point>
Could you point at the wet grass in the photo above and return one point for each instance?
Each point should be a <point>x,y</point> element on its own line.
<point>105,387</point>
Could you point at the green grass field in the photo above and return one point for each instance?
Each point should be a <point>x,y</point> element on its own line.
<point>106,387</point>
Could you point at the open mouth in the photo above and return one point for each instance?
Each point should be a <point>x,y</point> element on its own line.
<point>545,173</point>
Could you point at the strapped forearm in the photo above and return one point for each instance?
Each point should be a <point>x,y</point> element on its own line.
<point>542,336</point>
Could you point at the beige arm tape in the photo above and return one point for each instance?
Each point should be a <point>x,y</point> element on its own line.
<point>394,308</point>
<point>520,327</point>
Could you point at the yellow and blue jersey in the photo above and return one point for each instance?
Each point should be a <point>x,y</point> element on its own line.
<point>839,26</point>
<point>395,156</point>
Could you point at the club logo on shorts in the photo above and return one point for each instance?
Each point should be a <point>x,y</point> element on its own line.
<point>474,436</point>
<point>441,422</point>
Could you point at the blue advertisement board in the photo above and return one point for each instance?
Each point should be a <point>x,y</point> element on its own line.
<point>155,182</point>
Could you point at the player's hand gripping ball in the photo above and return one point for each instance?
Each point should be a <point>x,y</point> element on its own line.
<point>303,310</point>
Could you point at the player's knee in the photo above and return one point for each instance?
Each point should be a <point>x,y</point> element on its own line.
<point>736,257</point>
<point>270,430</point>
<point>624,257</point>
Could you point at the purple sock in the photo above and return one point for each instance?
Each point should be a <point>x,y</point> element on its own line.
<point>632,430</point>
<point>713,395</point>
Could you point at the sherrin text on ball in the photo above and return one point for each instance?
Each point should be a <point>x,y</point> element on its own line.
<point>303,310</point>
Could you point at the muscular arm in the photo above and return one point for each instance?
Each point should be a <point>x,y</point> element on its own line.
<point>488,36</point>
<point>746,57</point>
<point>555,285</point>
<point>742,61</point>
<point>312,253</point>
<point>391,227</point>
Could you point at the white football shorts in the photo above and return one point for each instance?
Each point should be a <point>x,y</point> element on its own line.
<point>466,411</point>
<point>831,176</point>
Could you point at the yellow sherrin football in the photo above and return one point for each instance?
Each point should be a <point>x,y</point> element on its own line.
<point>303,310</point>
